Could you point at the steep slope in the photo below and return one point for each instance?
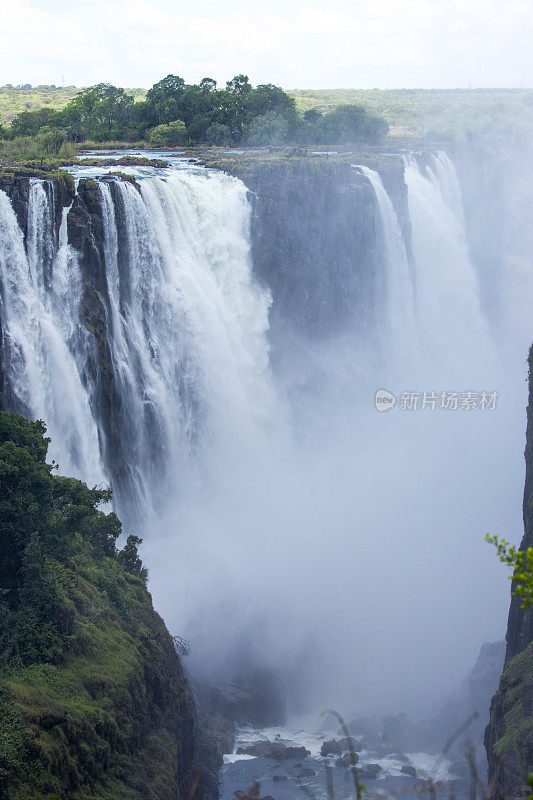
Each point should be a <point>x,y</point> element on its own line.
<point>509,735</point>
<point>94,702</point>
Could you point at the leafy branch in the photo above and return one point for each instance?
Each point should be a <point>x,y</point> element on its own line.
<point>521,562</point>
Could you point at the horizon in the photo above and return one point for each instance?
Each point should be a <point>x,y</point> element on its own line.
<point>27,85</point>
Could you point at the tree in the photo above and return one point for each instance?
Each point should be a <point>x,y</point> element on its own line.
<point>99,112</point>
<point>270,128</point>
<point>208,84</point>
<point>46,522</point>
<point>129,558</point>
<point>312,115</point>
<point>239,85</point>
<point>174,133</point>
<point>219,134</point>
<point>28,123</point>
<point>162,104</point>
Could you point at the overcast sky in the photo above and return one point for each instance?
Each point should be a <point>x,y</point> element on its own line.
<point>309,44</point>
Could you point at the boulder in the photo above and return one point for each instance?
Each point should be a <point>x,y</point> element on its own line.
<point>335,747</point>
<point>348,744</point>
<point>306,772</point>
<point>369,772</point>
<point>346,760</point>
<point>407,769</point>
<point>275,750</point>
<point>330,748</point>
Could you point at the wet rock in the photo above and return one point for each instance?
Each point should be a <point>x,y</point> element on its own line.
<point>336,747</point>
<point>348,744</point>
<point>275,750</point>
<point>369,772</point>
<point>346,760</point>
<point>306,772</point>
<point>256,699</point>
<point>330,748</point>
<point>407,769</point>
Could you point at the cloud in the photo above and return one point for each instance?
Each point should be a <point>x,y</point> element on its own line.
<point>352,44</point>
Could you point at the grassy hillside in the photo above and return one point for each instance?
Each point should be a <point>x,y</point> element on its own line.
<point>424,111</point>
<point>94,704</point>
<point>455,112</point>
<point>14,100</point>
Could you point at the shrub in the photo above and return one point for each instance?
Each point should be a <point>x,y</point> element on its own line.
<point>168,135</point>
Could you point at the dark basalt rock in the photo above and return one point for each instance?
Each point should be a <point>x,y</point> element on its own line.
<point>274,750</point>
<point>316,236</point>
<point>306,772</point>
<point>330,748</point>
<point>339,746</point>
<point>369,772</point>
<point>509,734</point>
<point>407,769</point>
<point>347,760</point>
<point>18,190</point>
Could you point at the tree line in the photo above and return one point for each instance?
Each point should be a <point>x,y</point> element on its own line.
<point>175,113</point>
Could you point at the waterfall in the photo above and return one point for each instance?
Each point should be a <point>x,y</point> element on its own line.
<point>43,351</point>
<point>396,307</point>
<point>186,331</point>
<point>272,540</point>
<point>453,333</point>
<point>188,325</point>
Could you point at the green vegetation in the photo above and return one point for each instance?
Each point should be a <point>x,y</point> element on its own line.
<point>93,704</point>
<point>17,99</point>
<point>518,723</point>
<point>450,113</point>
<point>168,135</point>
<point>521,562</point>
<point>174,113</point>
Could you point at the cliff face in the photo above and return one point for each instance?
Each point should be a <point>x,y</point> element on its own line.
<point>509,735</point>
<point>94,701</point>
<point>316,238</point>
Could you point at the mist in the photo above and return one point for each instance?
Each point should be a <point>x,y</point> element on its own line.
<point>341,547</point>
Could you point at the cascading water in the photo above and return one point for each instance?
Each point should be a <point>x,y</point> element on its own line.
<point>186,330</point>
<point>187,323</point>
<point>451,327</point>
<point>43,346</point>
<point>397,307</point>
<point>295,544</point>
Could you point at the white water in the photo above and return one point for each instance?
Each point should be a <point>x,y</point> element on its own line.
<point>454,336</point>
<point>40,302</point>
<point>340,556</point>
<point>398,304</point>
<point>188,337</point>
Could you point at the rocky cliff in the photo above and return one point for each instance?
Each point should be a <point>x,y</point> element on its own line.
<point>316,236</point>
<point>509,735</point>
<point>94,701</point>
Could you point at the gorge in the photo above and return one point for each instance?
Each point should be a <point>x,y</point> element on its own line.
<point>208,340</point>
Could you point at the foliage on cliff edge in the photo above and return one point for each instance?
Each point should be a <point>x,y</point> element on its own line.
<point>93,701</point>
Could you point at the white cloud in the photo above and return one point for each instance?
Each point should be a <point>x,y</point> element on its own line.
<point>348,43</point>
